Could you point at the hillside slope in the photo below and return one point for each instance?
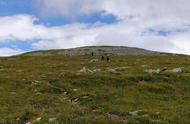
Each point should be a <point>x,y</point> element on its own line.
<point>76,90</point>
<point>98,50</point>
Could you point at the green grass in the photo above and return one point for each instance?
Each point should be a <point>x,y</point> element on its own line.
<point>52,89</point>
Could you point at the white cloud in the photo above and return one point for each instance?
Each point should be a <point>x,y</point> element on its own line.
<point>68,8</point>
<point>8,51</point>
<point>139,24</point>
<point>19,27</point>
<point>120,8</point>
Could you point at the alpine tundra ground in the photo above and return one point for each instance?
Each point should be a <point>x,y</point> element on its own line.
<point>86,90</point>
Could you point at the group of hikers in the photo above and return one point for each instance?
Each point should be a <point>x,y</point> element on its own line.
<point>103,57</point>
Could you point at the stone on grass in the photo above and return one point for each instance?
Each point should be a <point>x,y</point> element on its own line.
<point>93,61</point>
<point>52,119</point>
<point>144,66</point>
<point>97,70</point>
<point>113,71</point>
<point>86,70</point>
<point>75,90</point>
<point>178,70</point>
<point>153,71</point>
<point>134,113</point>
<point>35,121</point>
<point>38,119</point>
<point>121,68</point>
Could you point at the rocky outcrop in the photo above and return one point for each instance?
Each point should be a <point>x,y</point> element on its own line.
<point>158,71</point>
<point>97,50</point>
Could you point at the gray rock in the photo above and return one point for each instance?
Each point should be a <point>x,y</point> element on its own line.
<point>86,70</point>
<point>93,61</point>
<point>52,119</point>
<point>97,70</point>
<point>121,68</point>
<point>152,71</point>
<point>75,90</point>
<point>98,50</point>
<point>134,113</point>
<point>178,70</point>
<point>144,66</point>
<point>113,71</point>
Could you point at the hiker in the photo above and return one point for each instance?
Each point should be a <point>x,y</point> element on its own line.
<point>92,53</point>
<point>107,58</point>
<point>102,58</point>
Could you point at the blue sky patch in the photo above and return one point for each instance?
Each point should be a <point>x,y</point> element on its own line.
<point>24,45</point>
<point>90,19</point>
<point>13,7</point>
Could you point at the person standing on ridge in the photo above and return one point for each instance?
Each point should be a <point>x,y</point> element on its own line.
<point>102,58</point>
<point>107,58</point>
<point>92,53</point>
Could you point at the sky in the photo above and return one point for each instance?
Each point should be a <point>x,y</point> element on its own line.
<point>159,25</point>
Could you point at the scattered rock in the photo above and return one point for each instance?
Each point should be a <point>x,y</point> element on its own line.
<point>74,101</point>
<point>86,70</point>
<point>113,71</point>
<point>97,70</point>
<point>144,66</point>
<point>121,68</point>
<point>52,119</point>
<point>178,70</point>
<point>43,76</point>
<point>134,113</point>
<point>156,121</point>
<point>75,90</point>
<point>34,121</point>
<point>65,93</point>
<point>141,113</point>
<point>158,71</point>
<point>35,82</point>
<point>117,70</point>
<point>38,119</point>
<point>152,71</point>
<point>93,61</point>
<point>96,110</point>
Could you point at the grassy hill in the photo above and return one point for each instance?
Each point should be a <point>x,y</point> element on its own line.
<point>143,89</point>
<point>98,50</point>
